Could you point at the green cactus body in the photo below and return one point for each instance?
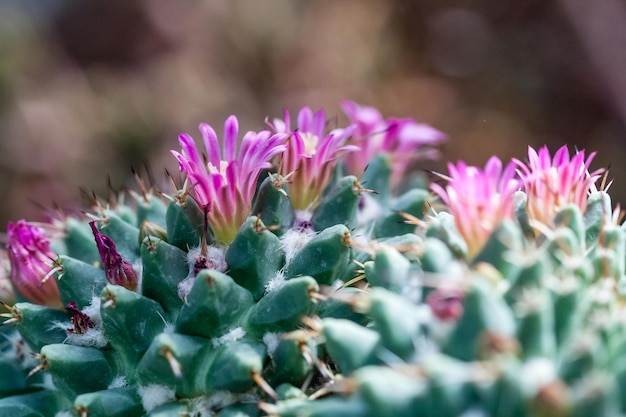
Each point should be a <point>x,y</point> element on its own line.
<point>273,283</point>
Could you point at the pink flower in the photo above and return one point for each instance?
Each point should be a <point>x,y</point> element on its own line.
<point>32,264</point>
<point>479,199</point>
<point>553,182</point>
<point>311,154</point>
<point>225,181</point>
<point>403,140</point>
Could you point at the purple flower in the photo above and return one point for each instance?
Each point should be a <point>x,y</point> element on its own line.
<point>225,182</point>
<point>32,264</point>
<point>553,182</point>
<point>311,154</point>
<point>403,140</point>
<point>117,270</point>
<point>479,199</point>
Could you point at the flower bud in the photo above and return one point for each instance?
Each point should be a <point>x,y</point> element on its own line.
<point>32,264</point>
<point>117,270</point>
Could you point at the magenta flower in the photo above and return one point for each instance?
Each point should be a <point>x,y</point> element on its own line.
<point>553,182</point>
<point>225,182</point>
<point>32,264</point>
<point>118,271</point>
<point>479,199</point>
<point>403,140</point>
<point>311,154</point>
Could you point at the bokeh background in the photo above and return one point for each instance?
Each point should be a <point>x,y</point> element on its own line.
<point>89,89</point>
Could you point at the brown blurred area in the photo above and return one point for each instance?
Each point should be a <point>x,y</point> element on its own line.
<point>90,89</point>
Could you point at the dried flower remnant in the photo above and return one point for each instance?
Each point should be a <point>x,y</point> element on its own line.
<point>118,271</point>
<point>81,322</point>
<point>551,183</point>
<point>32,264</point>
<point>403,140</point>
<point>225,182</point>
<point>311,154</point>
<point>479,199</point>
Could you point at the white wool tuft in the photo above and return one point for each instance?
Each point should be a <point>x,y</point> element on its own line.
<point>207,406</point>
<point>118,382</point>
<point>276,282</point>
<point>169,328</point>
<point>216,256</point>
<point>93,310</point>
<point>271,341</point>
<point>369,210</point>
<point>138,267</point>
<point>536,373</point>
<point>293,240</point>
<point>155,395</point>
<point>231,336</point>
<point>184,287</point>
<point>93,337</point>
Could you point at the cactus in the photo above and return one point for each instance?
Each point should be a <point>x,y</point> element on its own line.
<point>287,277</point>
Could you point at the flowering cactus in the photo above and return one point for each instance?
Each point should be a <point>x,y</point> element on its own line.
<point>262,286</point>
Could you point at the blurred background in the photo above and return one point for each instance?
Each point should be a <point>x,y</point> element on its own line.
<point>89,89</point>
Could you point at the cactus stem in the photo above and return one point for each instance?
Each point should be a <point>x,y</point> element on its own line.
<point>175,366</point>
<point>264,385</point>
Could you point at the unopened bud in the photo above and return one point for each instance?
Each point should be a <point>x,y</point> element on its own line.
<point>117,270</point>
